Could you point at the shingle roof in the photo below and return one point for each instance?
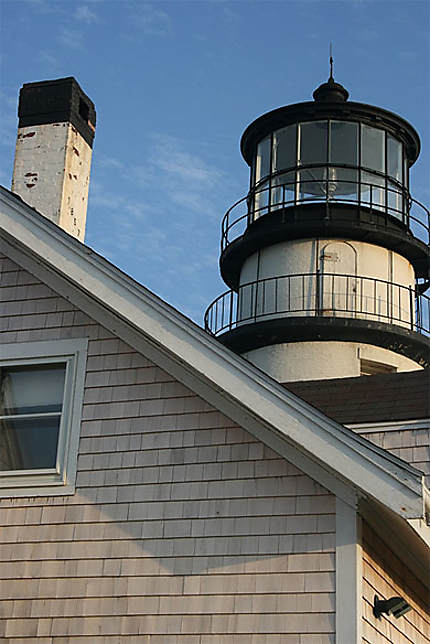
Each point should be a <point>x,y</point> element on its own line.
<point>364,399</point>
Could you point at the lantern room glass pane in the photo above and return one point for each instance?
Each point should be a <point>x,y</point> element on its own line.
<point>395,200</point>
<point>313,142</point>
<point>373,190</point>
<point>261,200</point>
<point>342,184</point>
<point>263,159</point>
<point>312,184</point>
<point>283,189</point>
<point>394,161</point>
<point>343,142</point>
<point>284,148</point>
<point>372,148</point>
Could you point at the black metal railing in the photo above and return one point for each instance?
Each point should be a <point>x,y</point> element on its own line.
<point>320,295</point>
<point>393,201</point>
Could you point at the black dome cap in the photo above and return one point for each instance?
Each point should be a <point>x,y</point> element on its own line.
<point>331,92</point>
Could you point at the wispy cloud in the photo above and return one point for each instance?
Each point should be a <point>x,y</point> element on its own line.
<point>186,178</point>
<point>170,156</point>
<point>70,37</point>
<point>84,14</point>
<point>44,6</point>
<point>115,202</point>
<point>8,123</point>
<point>152,20</point>
<point>48,59</point>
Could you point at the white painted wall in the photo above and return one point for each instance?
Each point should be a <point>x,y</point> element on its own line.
<point>318,360</point>
<point>51,173</point>
<point>306,256</point>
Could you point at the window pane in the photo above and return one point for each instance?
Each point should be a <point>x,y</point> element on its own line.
<point>261,200</point>
<point>313,142</point>
<point>263,159</point>
<point>30,443</point>
<point>31,389</point>
<point>394,161</point>
<point>372,148</point>
<point>283,189</point>
<point>373,190</point>
<point>343,142</point>
<point>284,148</point>
<point>312,184</point>
<point>343,184</point>
<point>395,200</point>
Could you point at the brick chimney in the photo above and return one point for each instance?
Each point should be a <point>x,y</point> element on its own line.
<point>53,151</point>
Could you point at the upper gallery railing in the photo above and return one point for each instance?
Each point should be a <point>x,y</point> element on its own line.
<point>393,201</point>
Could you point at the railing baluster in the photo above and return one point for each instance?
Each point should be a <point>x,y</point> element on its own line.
<point>303,292</point>
<point>289,294</point>
<point>400,304</point>
<point>411,308</point>
<point>347,293</point>
<point>374,298</point>
<point>263,303</point>
<point>317,294</point>
<point>333,299</point>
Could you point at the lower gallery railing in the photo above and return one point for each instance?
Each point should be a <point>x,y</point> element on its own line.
<point>320,295</point>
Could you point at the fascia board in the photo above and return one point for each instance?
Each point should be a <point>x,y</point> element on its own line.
<point>225,380</point>
<point>390,426</point>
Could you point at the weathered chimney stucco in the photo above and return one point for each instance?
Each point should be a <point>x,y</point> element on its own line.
<point>53,151</point>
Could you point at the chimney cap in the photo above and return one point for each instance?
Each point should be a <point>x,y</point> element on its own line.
<point>56,101</point>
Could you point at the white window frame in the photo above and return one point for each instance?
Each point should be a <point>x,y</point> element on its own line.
<point>61,479</point>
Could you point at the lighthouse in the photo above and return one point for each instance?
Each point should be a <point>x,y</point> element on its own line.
<point>327,256</point>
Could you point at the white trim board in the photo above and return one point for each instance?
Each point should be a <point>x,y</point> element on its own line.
<point>349,574</point>
<point>388,426</point>
<point>330,453</point>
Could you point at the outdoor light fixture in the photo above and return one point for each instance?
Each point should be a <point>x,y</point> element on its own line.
<point>396,606</point>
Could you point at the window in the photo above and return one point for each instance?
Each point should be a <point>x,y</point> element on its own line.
<point>372,148</point>
<point>41,393</point>
<point>263,159</point>
<point>372,368</point>
<point>284,148</point>
<point>313,142</point>
<point>343,142</point>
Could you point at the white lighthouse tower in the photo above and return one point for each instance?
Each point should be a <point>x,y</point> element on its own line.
<point>327,256</point>
<point>52,166</point>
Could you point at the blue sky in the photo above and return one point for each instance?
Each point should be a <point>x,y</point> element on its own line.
<point>175,83</point>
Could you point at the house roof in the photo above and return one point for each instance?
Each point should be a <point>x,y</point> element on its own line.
<point>383,397</point>
<point>343,462</point>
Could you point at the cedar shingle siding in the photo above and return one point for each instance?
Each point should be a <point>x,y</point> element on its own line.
<point>184,529</point>
<point>386,576</point>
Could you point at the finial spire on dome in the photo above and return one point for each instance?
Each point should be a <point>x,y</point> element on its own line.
<point>331,59</point>
<point>331,92</point>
